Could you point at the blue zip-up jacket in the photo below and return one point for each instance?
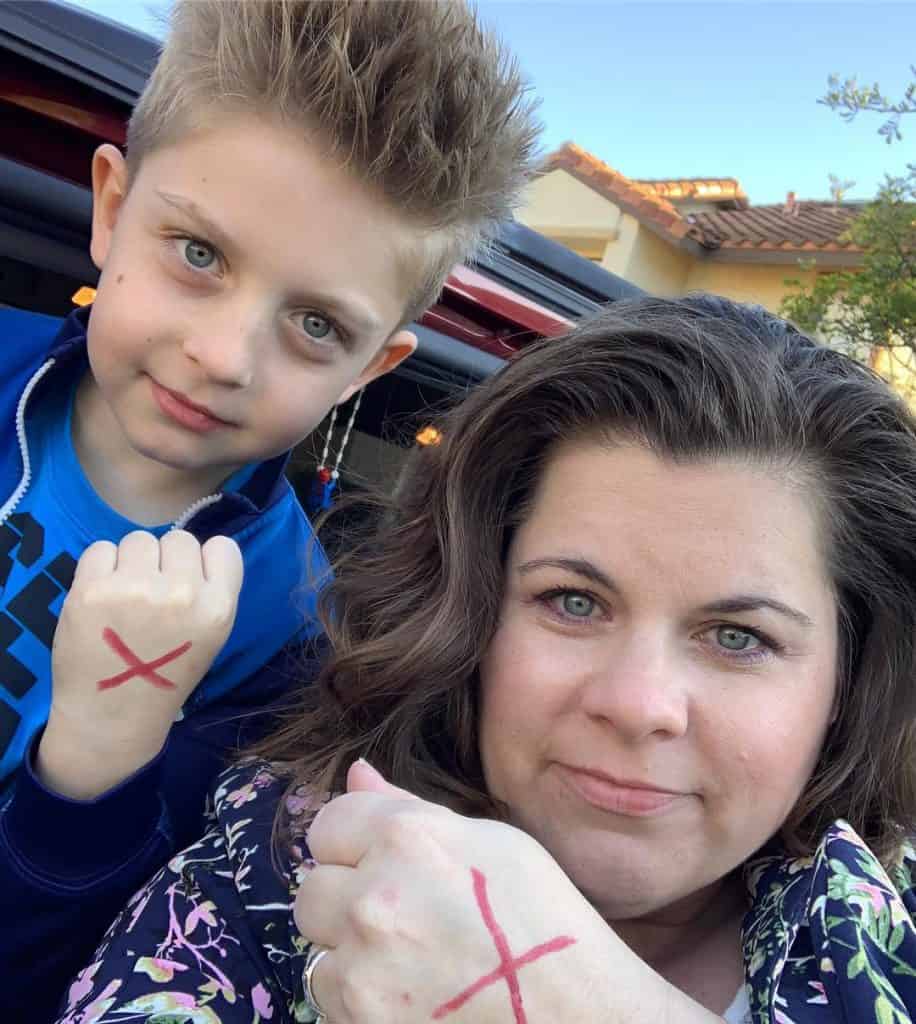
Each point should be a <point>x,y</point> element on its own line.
<point>67,867</point>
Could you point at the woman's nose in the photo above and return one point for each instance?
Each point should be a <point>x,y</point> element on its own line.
<point>639,690</point>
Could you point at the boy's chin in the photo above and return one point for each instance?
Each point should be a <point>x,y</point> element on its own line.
<point>184,462</point>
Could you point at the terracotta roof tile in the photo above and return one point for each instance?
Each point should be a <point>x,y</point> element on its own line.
<point>807,225</point>
<point>715,189</point>
<point>814,225</point>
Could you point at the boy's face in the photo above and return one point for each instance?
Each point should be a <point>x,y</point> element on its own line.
<point>247,285</point>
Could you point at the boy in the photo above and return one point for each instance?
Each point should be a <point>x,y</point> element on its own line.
<point>300,177</point>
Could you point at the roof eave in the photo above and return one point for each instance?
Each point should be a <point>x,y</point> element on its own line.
<point>822,258</point>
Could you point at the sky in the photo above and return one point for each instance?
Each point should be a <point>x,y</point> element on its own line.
<point>684,89</point>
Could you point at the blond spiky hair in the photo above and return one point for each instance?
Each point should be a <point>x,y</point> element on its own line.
<point>411,96</point>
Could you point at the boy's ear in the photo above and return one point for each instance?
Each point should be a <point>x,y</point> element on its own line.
<point>109,189</point>
<point>395,350</point>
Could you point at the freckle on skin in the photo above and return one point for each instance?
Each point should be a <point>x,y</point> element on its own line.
<point>149,340</point>
<point>120,278</point>
<point>406,998</point>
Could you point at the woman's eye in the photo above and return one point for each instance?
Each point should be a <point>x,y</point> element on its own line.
<point>734,639</point>
<point>316,326</point>
<point>576,606</point>
<point>199,255</point>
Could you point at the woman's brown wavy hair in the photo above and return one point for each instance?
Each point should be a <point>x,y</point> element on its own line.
<point>414,604</point>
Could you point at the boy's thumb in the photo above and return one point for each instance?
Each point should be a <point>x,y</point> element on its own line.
<point>363,778</point>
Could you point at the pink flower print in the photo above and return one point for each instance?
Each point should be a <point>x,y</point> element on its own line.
<point>875,893</point>
<point>260,1000</point>
<point>821,998</point>
<point>97,1009</point>
<point>243,795</point>
<point>203,912</point>
<point>158,968</point>
<point>138,903</point>
<point>263,778</point>
<point>83,984</point>
<point>296,804</point>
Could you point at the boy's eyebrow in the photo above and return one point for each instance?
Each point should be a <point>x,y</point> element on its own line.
<point>352,312</point>
<point>726,606</point>
<point>191,209</point>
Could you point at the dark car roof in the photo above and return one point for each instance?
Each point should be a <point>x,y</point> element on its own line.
<point>88,48</point>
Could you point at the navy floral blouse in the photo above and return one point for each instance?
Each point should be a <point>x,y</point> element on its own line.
<point>211,939</point>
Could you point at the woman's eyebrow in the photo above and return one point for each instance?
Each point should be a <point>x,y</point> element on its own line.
<point>754,602</point>
<point>579,566</point>
<point>725,606</point>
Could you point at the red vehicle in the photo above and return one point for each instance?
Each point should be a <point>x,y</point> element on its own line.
<point>68,80</point>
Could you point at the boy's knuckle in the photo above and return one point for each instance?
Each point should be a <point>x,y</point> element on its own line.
<point>180,596</point>
<point>92,596</point>
<point>220,611</point>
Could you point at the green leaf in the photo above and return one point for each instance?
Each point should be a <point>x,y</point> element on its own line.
<point>884,1012</point>
<point>856,965</point>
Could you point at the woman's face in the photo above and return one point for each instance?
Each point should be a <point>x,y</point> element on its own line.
<point>659,687</point>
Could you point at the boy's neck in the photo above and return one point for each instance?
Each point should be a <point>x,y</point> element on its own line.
<point>139,488</point>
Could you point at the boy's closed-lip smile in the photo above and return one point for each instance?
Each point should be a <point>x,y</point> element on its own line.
<point>182,410</point>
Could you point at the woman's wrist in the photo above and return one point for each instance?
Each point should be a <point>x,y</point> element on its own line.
<point>610,984</point>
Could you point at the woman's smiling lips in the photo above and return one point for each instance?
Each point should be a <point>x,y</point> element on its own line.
<point>619,796</point>
<point>185,412</point>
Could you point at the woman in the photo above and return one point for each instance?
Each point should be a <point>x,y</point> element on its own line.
<point>635,644</point>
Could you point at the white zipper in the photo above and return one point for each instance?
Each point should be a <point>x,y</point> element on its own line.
<point>10,507</point>
<point>189,513</point>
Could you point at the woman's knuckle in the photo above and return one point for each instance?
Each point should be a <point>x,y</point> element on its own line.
<point>406,831</point>
<point>369,917</point>
<point>352,996</point>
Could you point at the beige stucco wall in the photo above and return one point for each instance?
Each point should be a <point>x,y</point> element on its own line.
<point>646,260</point>
<point>746,282</point>
<point>559,206</point>
<point>615,256</point>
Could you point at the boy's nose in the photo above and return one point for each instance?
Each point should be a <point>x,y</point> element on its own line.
<point>640,690</point>
<point>226,356</point>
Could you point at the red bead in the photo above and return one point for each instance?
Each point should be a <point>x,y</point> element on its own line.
<point>324,475</point>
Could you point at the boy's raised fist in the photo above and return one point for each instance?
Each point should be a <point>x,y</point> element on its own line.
<point>141,626</point>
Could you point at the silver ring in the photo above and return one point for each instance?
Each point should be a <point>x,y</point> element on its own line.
<point>313,958</point>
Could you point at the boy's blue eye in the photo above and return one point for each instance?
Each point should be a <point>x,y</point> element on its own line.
<point>199,254</point>
<point>316,326</point>
<point>734,639</point>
